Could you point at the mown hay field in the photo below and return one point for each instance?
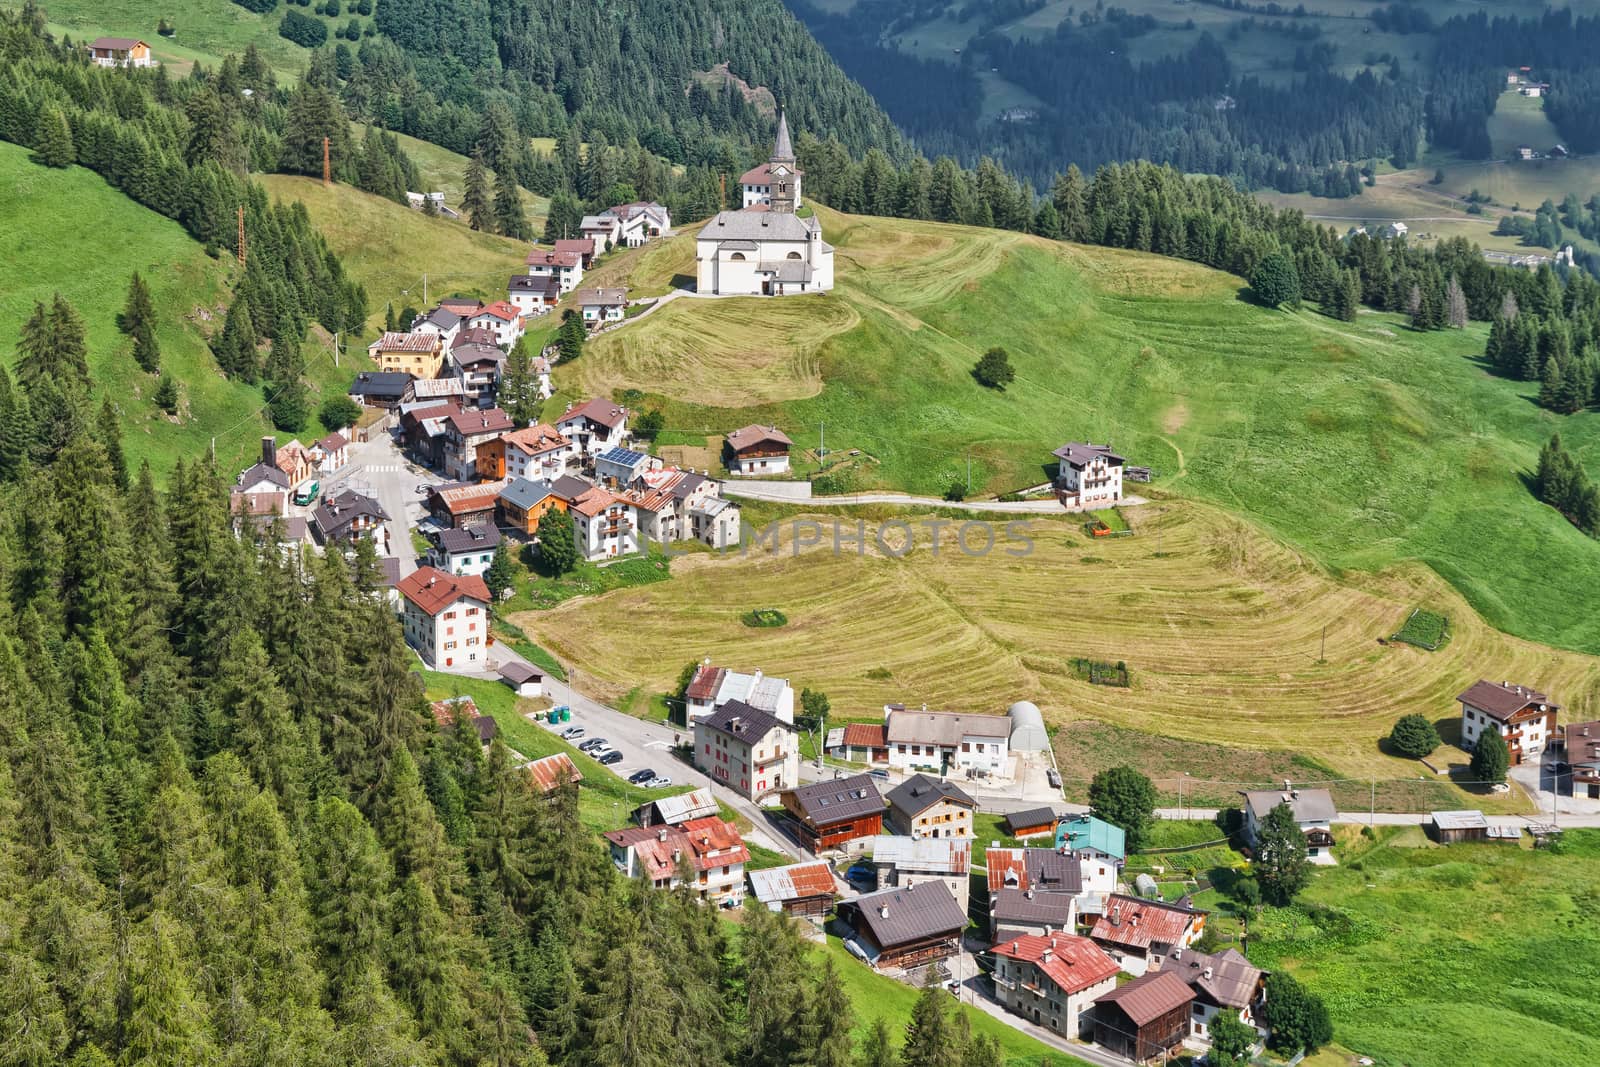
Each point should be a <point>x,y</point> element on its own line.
<point>1220,626</point>
<point>1365,443</point>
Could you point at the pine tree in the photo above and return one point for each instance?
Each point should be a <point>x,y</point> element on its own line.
<point>558,548</point>
<point>562,219</point>
<point>519,386</point>
<point>413,835</point>
<point>630,1013</point>
<point>110,432</point>
<point>826,1040</point>
<point>1490,757</point>
<point>166,397</point>
<point>475,203</point>
<point>16,431</point>
<point>1068,194</point>
<point>288,401</point>
<point>166,1016</point>
<point>570,337</point>
<point>878,1049</point>
<point>931,1040</point>
<point>348,879</point>
<point>502,571</point>
<point>1508,306</point>
<point>1456,304</point>
<point>508,214</point>
<point>137,320</point>
<point>1280,864</point>
<point>52,139</point>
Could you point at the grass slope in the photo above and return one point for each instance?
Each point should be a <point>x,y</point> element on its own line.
<point>1398,941</point>
<point>1221,632</point>
<point>85,239</point>
<point>389,248</point>
<point>1364,442</point>
<point>208,30</point>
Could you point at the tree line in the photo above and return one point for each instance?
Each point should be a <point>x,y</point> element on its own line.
<point>232,832</point>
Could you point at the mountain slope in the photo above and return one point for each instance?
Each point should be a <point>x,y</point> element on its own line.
<point>1366,442</point>
<point>85,239</point>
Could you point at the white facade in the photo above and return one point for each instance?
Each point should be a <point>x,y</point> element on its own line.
<point>590,436</point>
<point>566,270</point>
<point>505,322</point>
<point>759,465</point>
<point>1534,734</point>
<point>945,742</point>
<point>1092,472</point>
<point>762,253</point>
<point>754,767</point>
<point>711,687</point>
<point>535,463</point>
<point>465,562</point>
<point>453,639</point>
<point>611,531</point>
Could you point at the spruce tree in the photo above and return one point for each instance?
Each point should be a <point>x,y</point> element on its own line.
<point>558,549</point>
<point>110,432</point>
<point>166,1017</point>
<point>1490,758</point>
<point>53,139</point>
<point>475,203</point>
<point>137,320</point>
<point>571,336</point>
<point>166,397</point>
<point>1280,862</point>
<point>519,385</point>
<point>931,1039</point>
<point>1456,304</point>
<point>508,214</point>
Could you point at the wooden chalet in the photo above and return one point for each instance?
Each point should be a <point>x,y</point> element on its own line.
<point>1454,827</point>
<point>458,505</point>
<point>906,927</point>
<point>841,814</point>
<point>1144,1019</point>
<point>757,450</point>
<point>1523,716</point>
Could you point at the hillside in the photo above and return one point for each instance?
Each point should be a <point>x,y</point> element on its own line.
<point>85,240</point>
<point>388,247</point>
<point>1366,443</point>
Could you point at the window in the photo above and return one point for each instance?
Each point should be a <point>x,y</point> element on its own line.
<point>966,747</point>
<point>737,257</point>
<point>449,644</point>
<point>449,615</point>
<point>793,255</point>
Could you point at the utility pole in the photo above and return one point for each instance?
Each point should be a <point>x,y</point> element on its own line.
<point>241,235</point>
<point>822,449</point>
<point>1372,812</point>
<point>969,472</point>
<point>327,166</point>
<point>424,292</point>
<point>338,340</point>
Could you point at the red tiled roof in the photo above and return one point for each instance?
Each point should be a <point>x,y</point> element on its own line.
<point>501,309</point>
<point>480,421</point>
<point>762,175</point>
<point>535,439</point>
<point>433,590</point>
<point>714,842</point>
<point>864,735</point>
<point>1135,923</point>
<point>548,257</point>
<point>1073,963</point>
<point>710,842</point>
<point>553,771</point>
<point>595,501</point>
<point>445,711</point>
<point>1148,998</point>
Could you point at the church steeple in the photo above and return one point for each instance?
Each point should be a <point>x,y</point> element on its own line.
<point>782,150</point>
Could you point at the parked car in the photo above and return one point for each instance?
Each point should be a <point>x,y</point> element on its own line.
<point>1054,777</point>
<point>638,777</point>
<point>571,732</point>
<point>861,872</point>
<point>880,774</point>
<point>658,782</point>
<point>594,744</point>
<point>610,757</point>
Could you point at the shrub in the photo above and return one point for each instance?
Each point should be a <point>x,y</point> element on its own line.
<point>955,492</point>
<point>337,412</point>
<point>1490,758</point>
<point>764,618</point>
<point>1413,736</point>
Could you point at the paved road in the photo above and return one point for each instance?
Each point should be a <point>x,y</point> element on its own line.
<point>378,469</point>
<point>793,493</point>
<point>649,744</point>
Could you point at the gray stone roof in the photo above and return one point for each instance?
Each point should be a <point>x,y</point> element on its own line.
<point>919,793</point>
<point>758,226</point>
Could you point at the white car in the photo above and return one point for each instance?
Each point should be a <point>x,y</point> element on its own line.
<point>658,782</point>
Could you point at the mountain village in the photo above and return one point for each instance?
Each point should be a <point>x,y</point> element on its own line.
<point>876,836</point>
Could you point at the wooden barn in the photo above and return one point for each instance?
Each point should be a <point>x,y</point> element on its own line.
<point>1146,1018</point>
<point>1454,827</point>
<point>906,927</point>
<point>1034,822</point>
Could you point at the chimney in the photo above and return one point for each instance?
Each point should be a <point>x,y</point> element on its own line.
<point>661,834</point>
<point>1286,786</point>
<point>1044,957</point>
<point>269,451</point>
<point>1208,972</point>
<point>677,854</point>
<point>883,912</point>
<point>1116,915</point>
<point>1027,894</point>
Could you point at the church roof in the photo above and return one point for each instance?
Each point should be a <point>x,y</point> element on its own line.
<point>762,175</point>
<point>781,148</point>
<point>758,226</point>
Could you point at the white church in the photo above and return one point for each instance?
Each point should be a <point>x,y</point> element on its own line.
<point>764,248</point>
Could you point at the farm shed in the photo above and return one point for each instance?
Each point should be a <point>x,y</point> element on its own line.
<point>804,889</point>
<point>1453,827</point>
<point>524,680</point>
<point>1027,728</point>
<point>670,811</point>
<point>1030,823</point>
<point>552,772</point>
<point>1146,1018</point>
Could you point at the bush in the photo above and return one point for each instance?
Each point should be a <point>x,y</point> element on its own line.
<point>760,618</point>
<point>303,30</point>
<point>1490,758</point>
<point>337,412</point>
<point>649,424</point>
<point>167,395</point>
<point>955,492</point>
<point>1413,736</point>
<point>994,369</point>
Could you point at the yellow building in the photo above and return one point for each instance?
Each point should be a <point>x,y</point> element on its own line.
<point>420,355</point>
